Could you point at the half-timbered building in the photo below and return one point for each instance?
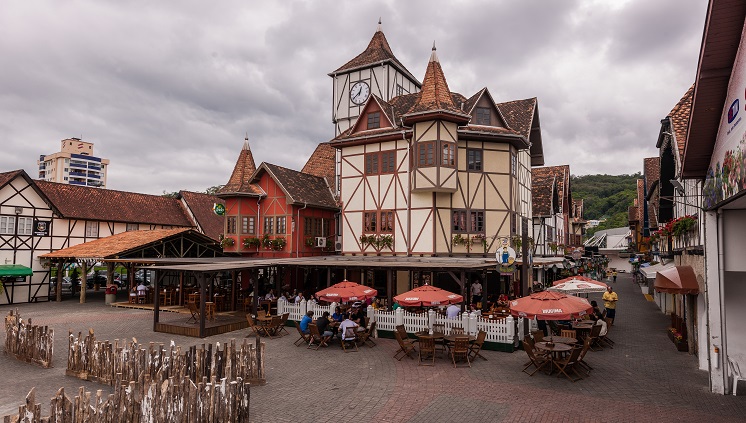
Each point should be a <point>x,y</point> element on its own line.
<point>38,217</point>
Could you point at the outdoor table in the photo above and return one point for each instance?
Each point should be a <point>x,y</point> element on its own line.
<point>194,297</point>
<point>561,339</point>
<point>436,335</point>
<point>583,328</point>
<point>210,310</point>
<point>555,349</point>
<point>452,338</point>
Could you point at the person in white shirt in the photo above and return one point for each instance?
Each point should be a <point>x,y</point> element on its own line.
<point>604,327</point>
<point>299,298</point>
<point>453,311</point>
<point>270,295</point>
<point>476,292</point>
<point>346,323</point>
<point>142,289</point>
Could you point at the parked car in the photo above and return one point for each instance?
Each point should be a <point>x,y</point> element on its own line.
<point>95,279</point>
<point>67,286</point>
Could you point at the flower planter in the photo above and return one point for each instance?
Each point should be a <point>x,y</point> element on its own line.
<point>682,345</point>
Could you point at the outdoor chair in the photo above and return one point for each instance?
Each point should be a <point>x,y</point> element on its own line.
<point>406,347</point>
<point>258,330</point>
<point>247,303</point>
<point>476,347</point>
<point>304,337</point>
<point>457,330</point>
<point>261,313</point>
<point>594,337</point>
<point>569,333</point>
<point>366,337</point>
<point>192,307</point>
<point>439,327</point>
<point>538,335</point>
<point>271,328</point>
<point>735,374</point>
<point>316,337</point>
<point>349,340</point>
<point>569,363</point>
<point>538,361</point>
<point>283,324</point>
<point>460,350</point>
<point>582,365</point>
<point>427,350</point>
<point>403,332</point>
<point>605,339</point>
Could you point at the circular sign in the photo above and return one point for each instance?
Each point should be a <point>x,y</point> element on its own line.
<point>219,209</point>
<point>505,254</point>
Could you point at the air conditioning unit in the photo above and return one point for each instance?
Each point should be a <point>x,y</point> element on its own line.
<point>338,244</point>
<point>320,241</point>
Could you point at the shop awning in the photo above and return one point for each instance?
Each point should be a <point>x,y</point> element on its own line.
<point>677,280</point>
<point>650,272</point>
<point>14,270</point>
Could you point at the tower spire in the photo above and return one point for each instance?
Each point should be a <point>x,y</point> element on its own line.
<point>434,55</point>
<point>379,29</point>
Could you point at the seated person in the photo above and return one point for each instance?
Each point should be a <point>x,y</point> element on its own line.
<point>299,298</point>
<point>323,324</point>
<point>604,327</point>
<point>395,305</point>
<point>358,315</point>
<point>596,312</point>
<point>337,316</point>
<point>142,289</point>
<point>308,318</point>
<point>346,323</point>
<point>502,300</point>
<point>270,295</point>
<point>453,311</point>
<point>377,304</point>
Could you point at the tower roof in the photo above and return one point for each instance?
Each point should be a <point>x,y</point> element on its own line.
<point>243,170</point>
<point>434,96</point>
<point>377,52</point>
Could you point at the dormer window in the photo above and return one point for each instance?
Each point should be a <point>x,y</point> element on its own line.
<point>374,120</point>
<point>483,116</point>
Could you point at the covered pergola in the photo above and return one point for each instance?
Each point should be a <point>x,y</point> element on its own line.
<point>133,249</point>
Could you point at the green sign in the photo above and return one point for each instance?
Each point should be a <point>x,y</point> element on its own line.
<point>219,209</point>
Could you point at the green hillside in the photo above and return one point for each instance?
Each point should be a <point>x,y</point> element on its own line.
<point>606,197</point>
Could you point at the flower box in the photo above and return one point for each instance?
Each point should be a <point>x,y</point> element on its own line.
<point>682,345</point>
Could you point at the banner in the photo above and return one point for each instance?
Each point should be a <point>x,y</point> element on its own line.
<point>41,227</point>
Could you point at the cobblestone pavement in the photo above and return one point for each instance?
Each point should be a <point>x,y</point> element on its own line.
<point>642,379</point>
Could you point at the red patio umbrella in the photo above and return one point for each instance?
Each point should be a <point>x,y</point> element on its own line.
<point>580,278</point>
<point>547,305</point>
<point>346,291</point>
<point>426,296</point>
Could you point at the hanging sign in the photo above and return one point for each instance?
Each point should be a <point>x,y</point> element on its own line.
<point>41,227</point>
<point>505,256</point>
<point>218,209</point>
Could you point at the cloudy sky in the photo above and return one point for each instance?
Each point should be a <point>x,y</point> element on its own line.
<point>168,90</point>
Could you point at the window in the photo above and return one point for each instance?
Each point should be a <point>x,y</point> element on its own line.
<point>371,163</point>
<point>374,120</point>
<point>317,226</point>
<point>369,221</point>
<point>91,229</point>
<point>387,221</point>
<point>449,154</point>
<point>467,221</point>
<point>382,162</point>
<point>474,159</point>
<point>483,116</point>
<point>459,221</point>
<point>133,227</point>
<point>7,225</point>
<point>230,225</point>
<point>513,163</point>
<point>281,220</point>
<point>476,221</point>
<point>248,225</point>
<point>426,154</point>
<point>25,226</point>
<point>268,223</point>
<point>307,226</point>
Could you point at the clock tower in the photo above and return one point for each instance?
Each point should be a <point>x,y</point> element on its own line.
<point>375,71</point>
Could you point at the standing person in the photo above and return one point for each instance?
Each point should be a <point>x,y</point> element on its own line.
<point>610,298</point>
<point>476,292</point>
<point>613,275</point>
<point>453,311</point>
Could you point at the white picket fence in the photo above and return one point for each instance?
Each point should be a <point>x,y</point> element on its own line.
<point>502,331</point>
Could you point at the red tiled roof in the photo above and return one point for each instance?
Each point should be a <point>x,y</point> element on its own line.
<point>114,245</point>
<point>6,177</point>
<point>378,51</point>
<point>652,171</point>
<point>301,188</point>
<point>434,94</point>
<point>88,203</point>
<point>322,163</point>
<point>577,209</point>
<point>632,213</point>
<point>200,205</point>
<point>679,117</point>
<point>562,174</point>
<point>640,200</point>
<point>519,114</point>
<point>542,192</point>
<point>243,170</point>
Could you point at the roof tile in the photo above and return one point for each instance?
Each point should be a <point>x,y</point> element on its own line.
<point>680,119</point>
<point>114,245</point>
<point>245,167</point>
<point>302,188</point>
<point>201,205</point>
<point>322,163</point>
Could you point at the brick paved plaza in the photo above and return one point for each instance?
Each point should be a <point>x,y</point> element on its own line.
<point>643,378</point>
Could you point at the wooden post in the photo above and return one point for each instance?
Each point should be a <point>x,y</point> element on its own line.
<point>233,291</point>
<point>156,302</point>
<point>328,277</point>
<point>389,287</point>
<point>181,288</point>
<point>109,273</point>
<point>255,290</point>
<point>83,281</point>
<point>463,290</point>
<point>202,299</point>
<point>60,266</point>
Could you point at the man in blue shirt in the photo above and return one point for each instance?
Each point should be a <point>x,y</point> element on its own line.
<point>308,318</point>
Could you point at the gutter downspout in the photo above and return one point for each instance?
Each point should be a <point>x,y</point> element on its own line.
<point>409,190</point>
<point>256,230</point>
<point>297,231</point>
<point>721,282</point>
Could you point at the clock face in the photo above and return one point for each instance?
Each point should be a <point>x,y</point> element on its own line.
<point>359,92</point>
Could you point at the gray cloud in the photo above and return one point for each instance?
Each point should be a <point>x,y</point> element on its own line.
<point>167,91</point>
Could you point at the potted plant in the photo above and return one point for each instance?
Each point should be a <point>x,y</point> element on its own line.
<point>266,242</point>
<point>227,242</point>
<point>517,242</point>
<point>251,242</point>
<point>279,243</point>
<point>310,241</point>
<point>458,240</point>
<point>386,241</point>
